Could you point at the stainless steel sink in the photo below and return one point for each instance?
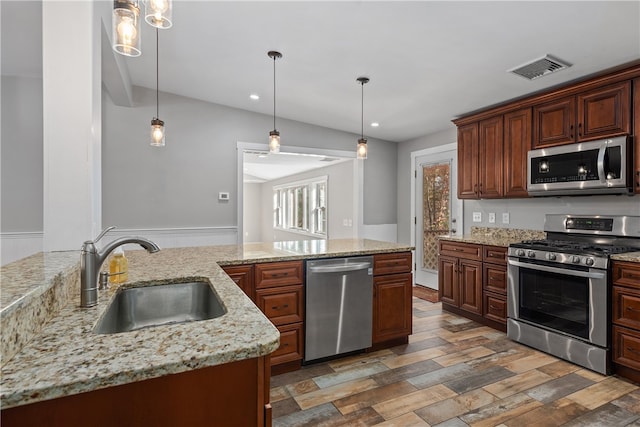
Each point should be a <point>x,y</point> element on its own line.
<point>155,305</point>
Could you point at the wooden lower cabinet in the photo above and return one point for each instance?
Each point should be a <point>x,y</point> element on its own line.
<point>472,281</point>
<point>233,394</point>
<point>291,344</point>
<point>243,276</point>
<point>392,299</point>
<point>626,319</point>
<point>392,308</point>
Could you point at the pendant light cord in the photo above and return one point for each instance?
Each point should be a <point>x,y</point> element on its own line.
<point>362,112</point>
<point>274,92</point>
<point>157,74</point>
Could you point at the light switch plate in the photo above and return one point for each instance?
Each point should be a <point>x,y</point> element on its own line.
<point>505,218</point>
<point>223,195</point>
<point>477,217</point>
<point>492,217</point>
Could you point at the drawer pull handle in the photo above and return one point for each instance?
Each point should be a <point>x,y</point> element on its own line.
<point>632,309</point>
<point>285,344</point>
<point>275,307</point>
<point>633,350</point>
<point>493,307</point>
<point>274,275</point>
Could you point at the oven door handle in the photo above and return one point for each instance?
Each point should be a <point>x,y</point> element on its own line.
<point>568,272</point>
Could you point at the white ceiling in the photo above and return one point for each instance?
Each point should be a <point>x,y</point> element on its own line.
<point>262,167</point>
<point>428,61</point>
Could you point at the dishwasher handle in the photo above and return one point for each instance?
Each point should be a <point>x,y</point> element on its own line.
<point>339,268</point>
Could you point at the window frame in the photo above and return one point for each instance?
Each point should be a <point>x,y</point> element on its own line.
<point>296,207</point>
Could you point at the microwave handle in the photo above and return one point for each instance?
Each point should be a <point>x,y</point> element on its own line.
<point>601,171</point>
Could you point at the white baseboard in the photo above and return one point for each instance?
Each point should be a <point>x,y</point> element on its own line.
<point>384,232</point>
<point>17,245</point>
<point>180,237</point>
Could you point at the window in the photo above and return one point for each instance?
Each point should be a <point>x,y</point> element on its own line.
<point>301,207</point>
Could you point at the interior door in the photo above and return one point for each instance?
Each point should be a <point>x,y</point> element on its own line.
<point>438,211</point>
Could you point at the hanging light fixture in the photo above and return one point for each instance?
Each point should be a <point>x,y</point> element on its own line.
<point>125,27</point>
<point>361,151</point>
<point>274,135</point>
<point>157,125</point>
<point>158,13</point>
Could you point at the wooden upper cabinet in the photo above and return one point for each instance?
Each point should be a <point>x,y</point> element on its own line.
<point>604,112</point>
<point>468,161</point>
<point>517,143</point>
<point>636,133</point>
<point>598,113</point>
<point>490,160</point>
<point>554,123</point>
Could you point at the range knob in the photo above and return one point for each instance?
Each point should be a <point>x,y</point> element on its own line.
<point>575,259</point>
<point>520,252</point>
<point>589,261</point>
<point>531,254</point>
<point>551,256</point>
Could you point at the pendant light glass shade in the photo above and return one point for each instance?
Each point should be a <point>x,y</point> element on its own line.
<point>361,150</point>
<point>158,13</point>
<point>274,135</point>
<point>274,141</point>
<point>125,27</point>
<point>157,132</point>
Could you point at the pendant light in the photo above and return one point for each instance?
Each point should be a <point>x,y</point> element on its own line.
<point>158,13</point>
<point>361,151</point>
<point>274,135</point>
<point>157,125</point>
<point>125,27</point>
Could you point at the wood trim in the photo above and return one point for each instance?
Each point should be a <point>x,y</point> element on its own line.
<point>636,133</point>
<point>618,74</point>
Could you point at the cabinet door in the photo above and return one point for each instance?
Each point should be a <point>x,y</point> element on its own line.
<point>517,142</point>
<point>392,308</point>
<point>468,161</point>
<point>554,123</point>
<point>243,276</point>
<point>447,280</point>
<point>636,132</point>
<point>604,112</point>
<point>490,158</point>
<point>470,285</point>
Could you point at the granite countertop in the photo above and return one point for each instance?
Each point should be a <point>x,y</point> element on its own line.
<point>629,256</point>
<point>63,356</point>
<point>495,236</point>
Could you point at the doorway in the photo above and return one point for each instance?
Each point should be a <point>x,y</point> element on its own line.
<point>437,210</point>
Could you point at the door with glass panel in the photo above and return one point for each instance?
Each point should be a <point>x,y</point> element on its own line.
<point>438,211</point>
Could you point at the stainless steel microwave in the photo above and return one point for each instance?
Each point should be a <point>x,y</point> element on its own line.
<point>594,167</point>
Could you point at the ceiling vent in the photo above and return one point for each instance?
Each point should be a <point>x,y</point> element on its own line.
<point>540,67</point>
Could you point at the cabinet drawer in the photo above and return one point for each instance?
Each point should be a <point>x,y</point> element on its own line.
<point>495,307</point>
<point>626,274</point>
<point>278,274</point>
<point>392,263</point>
<point>281,305</point>
<point>291,344</point>
<point>495,278</point>
<point>460,250</point>
<point>626,347</point>
<point>243,276</point>
<point>626,307</point>
<point>494,254</point>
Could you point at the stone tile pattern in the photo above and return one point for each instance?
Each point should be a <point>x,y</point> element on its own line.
<point>49,349</point>
<point>453,372</point>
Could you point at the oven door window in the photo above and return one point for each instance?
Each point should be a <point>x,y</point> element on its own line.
<point>556,301</point>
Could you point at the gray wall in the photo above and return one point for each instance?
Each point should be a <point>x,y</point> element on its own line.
<point>21,154</point>
<point>177,186</point>
<point>252,212</point>
<point>524,213</point>
<point>339,202</point>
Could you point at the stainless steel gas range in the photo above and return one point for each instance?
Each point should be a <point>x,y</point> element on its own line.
<point>559,288</point>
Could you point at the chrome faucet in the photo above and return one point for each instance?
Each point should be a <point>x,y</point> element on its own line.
<point>91,260</point>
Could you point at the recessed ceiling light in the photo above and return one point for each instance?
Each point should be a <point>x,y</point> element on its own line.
<point>375,124</point>
<point>254,96</point>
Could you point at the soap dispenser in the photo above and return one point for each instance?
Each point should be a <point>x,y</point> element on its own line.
<point>118,267</point>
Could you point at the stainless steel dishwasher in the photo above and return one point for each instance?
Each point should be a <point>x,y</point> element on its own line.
<point>339,306</point>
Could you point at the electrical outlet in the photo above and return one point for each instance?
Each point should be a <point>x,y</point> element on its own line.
<point>505,218</point>
<point>477,217</point>
<point>492,217</point>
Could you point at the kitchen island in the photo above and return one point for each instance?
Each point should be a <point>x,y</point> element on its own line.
<point>65,358</point>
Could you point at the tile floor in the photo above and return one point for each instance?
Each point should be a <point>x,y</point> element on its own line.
<point>454,372</point>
